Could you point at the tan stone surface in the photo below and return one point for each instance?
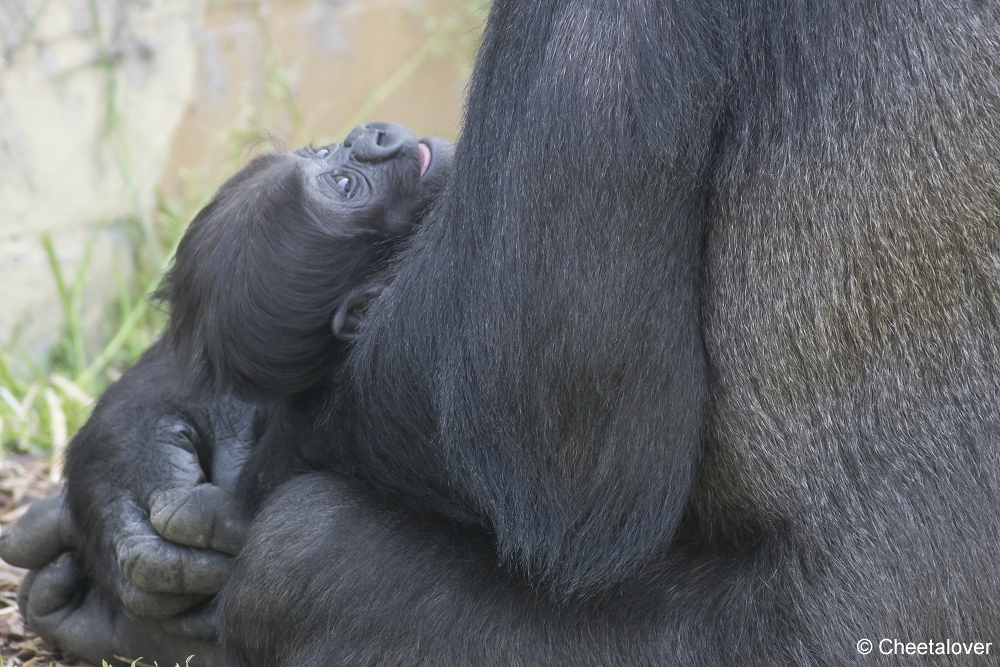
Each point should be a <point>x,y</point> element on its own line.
<point>63,171</point>
<point>188,73</point>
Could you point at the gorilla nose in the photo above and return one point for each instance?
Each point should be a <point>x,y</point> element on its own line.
<point>377,142</point>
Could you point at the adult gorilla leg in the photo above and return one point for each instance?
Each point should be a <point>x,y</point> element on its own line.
<point>331,574</point>
<point>345,576</point>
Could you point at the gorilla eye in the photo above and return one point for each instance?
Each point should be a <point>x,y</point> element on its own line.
<point>342,182</point>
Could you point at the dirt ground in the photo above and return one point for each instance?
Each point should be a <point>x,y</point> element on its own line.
<point>22,480</point>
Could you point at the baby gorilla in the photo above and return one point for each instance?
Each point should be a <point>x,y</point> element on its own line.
<point>280,265</point>
<point>269,281</point>
<point>274,276</point>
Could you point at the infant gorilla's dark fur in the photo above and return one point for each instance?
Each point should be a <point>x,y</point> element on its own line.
<point>273,276</point>
<point>281,263</point>
<point>268,284</point>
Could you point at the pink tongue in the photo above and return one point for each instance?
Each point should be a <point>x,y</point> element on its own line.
<point>425,158</point>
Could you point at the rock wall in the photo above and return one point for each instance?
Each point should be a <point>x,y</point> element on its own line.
<point>106,104</point>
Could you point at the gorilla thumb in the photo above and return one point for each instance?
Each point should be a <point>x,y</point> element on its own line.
<point>44,532</point>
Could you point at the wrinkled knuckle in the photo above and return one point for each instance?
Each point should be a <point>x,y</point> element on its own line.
<point>164,506</point>
<point>165,499</point>
<point>185,516</point>
<point>144,561</point>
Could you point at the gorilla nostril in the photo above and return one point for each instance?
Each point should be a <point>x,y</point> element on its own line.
<point>377,142</point>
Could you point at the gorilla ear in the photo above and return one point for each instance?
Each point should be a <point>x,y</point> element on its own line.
<point>351,311</point>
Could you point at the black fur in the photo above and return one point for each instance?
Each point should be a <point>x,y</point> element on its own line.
<point>280,250</point>
<point>131,453</point>
<point>262,270</point>
<point>695,362</point>
<point>704,333</point>
<point>256,281</point>
<point>269,283</point>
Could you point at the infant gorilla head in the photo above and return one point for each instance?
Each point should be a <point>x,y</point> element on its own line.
<point>280,265</point>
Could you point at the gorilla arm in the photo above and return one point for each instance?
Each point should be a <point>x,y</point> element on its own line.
<point>537,364</point>
<point>149,446</point>
<point>145,446</point>
<point>536,367</point>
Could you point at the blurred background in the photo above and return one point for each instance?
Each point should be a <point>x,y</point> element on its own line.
<point>118,120</point>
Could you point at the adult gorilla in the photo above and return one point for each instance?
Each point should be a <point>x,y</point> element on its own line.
<point>696,362</point>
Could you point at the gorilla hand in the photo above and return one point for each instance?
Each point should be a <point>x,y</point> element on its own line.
<point>57,602</point>
<point>155,537</point>
<point>166,549</point>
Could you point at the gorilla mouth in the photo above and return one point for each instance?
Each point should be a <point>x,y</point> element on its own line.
<point>425,157</point>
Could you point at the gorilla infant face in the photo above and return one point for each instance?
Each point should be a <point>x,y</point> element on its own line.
<point>381,178</point>
<point>283,262</point>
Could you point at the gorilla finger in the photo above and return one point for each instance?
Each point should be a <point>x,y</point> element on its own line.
<point>52,591</point>
<point>234,432</point>
<point>155,606</point>
<point>23,592</point>
<point>90,629</point>
<point>82,629</point>
<point>155,565</point>
<point>44,532</point>
<point>200,623</point>
<point>204,516</point>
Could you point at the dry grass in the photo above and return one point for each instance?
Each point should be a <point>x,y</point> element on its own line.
<point>23,479</point>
